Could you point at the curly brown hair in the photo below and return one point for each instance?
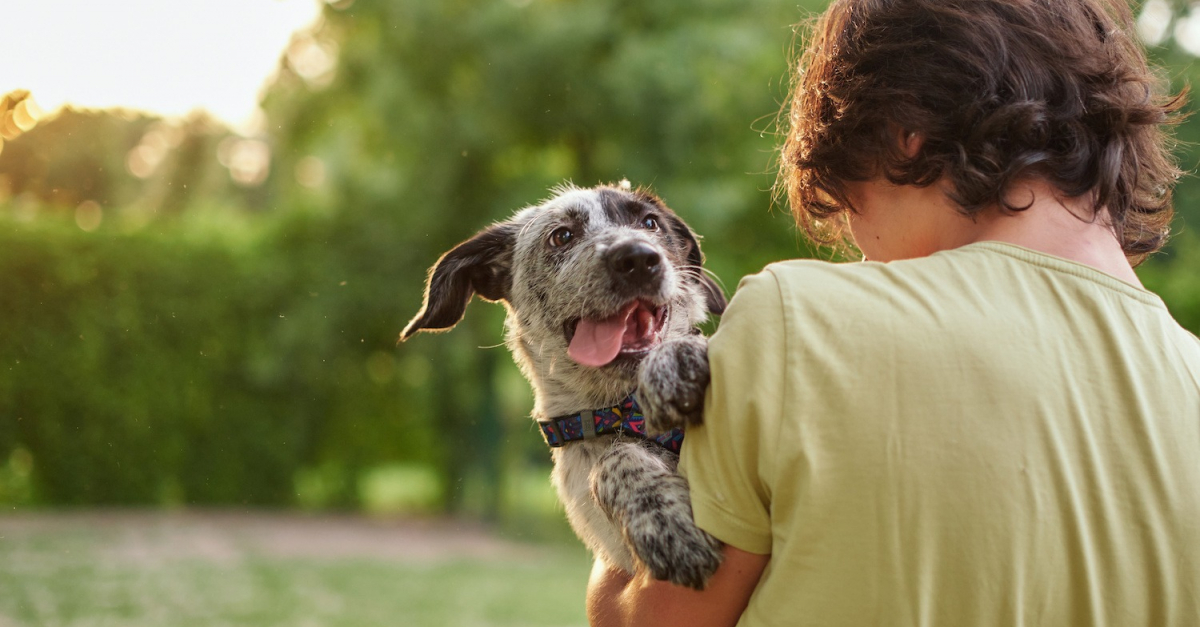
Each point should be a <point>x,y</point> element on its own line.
<point>999,90</point>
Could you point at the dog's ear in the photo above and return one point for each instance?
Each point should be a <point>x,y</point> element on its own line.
<point>481,265</point>
<point>714,296</point>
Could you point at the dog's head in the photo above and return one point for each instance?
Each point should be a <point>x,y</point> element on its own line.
<point>599,276</point>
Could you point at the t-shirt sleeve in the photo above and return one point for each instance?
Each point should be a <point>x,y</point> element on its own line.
<point>727,458</point>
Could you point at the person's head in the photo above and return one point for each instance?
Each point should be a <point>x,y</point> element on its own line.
<point>976,96</point>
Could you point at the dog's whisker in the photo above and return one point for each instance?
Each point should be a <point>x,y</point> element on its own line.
<point>525,228</point>
<point>692,269</point>
<point>514,337</point>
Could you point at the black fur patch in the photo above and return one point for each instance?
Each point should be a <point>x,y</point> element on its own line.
<point>481,265</point>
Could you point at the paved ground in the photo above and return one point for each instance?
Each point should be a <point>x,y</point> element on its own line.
<point>261,569</point>
<point>221,536</point>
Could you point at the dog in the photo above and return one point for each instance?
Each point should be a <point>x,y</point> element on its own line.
<point>604,289</point>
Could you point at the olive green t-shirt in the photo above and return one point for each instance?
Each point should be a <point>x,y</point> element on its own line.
<point>985,436</point>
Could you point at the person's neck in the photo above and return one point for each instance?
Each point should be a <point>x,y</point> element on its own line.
<point>1062,227</point>
<point>1052,224</point>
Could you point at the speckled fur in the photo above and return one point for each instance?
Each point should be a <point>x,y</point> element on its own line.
<point>672,383</point>
<point>636,486</point>
<point>622,495</point>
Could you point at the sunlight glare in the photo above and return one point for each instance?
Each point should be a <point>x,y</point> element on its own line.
<point>25,116</point>
<point>1187,31</point>
<point>158,140</point>
<point>1154,23</point>
<point>88,215</point>
<point>248,160</point>
<point>168,58</point>
<point>313,60</point>
<point>310,172</point>
<point>8,127</point>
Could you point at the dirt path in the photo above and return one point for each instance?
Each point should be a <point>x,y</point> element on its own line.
<point>261,569</point>
<point>137,536</point>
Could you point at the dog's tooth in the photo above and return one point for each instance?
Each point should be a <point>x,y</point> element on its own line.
<point>645,322</point>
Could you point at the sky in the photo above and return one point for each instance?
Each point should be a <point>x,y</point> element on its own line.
<point>170,57</point>
<point>167,57</point>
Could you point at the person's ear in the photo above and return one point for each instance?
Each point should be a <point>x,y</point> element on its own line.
<point>911,143</point>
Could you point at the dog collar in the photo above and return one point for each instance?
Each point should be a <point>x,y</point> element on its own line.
<point>624,417</point>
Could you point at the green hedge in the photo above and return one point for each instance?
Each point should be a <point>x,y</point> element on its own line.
<point>166,367</point>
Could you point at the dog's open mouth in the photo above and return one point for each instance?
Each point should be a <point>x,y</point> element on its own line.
<point>634,329</point>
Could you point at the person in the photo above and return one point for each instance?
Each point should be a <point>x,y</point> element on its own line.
<point>988,421</point>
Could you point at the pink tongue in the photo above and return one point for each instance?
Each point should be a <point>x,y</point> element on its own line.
<point>597,342</point>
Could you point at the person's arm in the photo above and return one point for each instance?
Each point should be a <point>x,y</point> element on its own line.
<point>615,599</point>
<point>727,462</point>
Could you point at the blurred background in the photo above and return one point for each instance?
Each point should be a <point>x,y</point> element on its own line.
<point>216,216</point>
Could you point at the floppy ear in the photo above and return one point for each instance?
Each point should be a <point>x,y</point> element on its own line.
<point>714,296</point>
<point>481,265</point>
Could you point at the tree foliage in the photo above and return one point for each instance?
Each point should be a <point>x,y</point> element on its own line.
<point>214,342</point>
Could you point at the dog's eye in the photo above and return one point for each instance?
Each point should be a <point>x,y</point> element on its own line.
<point>561,237</point>
<point>650,223</point>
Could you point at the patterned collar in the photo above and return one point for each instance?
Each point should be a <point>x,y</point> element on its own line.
<point>625,417</point>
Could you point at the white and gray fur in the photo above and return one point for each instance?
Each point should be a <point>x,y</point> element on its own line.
<point>622,495</point>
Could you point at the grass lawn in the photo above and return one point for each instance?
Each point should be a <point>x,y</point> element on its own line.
<point>189,569</point>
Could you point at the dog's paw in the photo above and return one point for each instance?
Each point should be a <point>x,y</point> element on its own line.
<point>635,486</point>
<point>680,553</point>
<point>672,383</point>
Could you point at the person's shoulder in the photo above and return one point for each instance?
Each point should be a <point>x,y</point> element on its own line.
<point>938,275</point>
<point>1188,334</point>
<point>866,296</point>
<point>806,291</point>
<point>821,283</point>
<point>795,284</point>
<point>853,272</point>
<point>817,271</point>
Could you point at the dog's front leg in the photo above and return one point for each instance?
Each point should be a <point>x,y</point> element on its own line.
<point>672,382</point>
<point>636,486</point>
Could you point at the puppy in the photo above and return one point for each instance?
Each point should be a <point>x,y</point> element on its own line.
<point>604,290</point>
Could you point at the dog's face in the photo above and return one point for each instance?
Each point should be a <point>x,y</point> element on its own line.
<point>593,279</point>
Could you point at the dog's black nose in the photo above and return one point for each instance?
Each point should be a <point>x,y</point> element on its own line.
<point>634,261</point>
